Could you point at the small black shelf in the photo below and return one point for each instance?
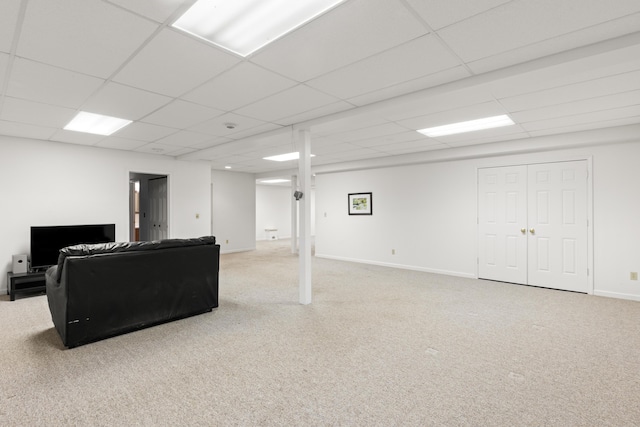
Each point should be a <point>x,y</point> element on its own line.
<point>25,283</point>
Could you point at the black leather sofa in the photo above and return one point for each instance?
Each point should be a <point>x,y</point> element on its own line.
<point>101,290</point>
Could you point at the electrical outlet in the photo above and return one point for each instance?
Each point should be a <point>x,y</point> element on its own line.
<point>393,251</point>
<point>227,241</point>
<point>633,275</point>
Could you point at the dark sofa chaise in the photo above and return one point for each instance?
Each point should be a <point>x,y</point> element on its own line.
<point>101,290</point>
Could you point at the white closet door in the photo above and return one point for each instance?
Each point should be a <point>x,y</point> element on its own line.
<point>558,225</point>
<point>502,217</point>
<point>532,225</point>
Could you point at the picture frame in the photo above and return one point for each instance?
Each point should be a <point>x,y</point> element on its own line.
<point>360,204</point>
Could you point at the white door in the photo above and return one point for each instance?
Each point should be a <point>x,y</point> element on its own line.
<point>158,208</point>
<point>557,225</point>
<point>532,223</point>
<point>502,215</point>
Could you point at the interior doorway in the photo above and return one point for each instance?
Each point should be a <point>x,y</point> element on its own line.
<point>148,207</point>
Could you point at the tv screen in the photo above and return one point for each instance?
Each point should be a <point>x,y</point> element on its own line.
<point>46,242</point>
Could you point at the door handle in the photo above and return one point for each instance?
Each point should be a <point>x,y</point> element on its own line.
<point>532,230</point>
<point>523,230</point>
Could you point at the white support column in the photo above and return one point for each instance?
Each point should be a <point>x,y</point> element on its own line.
<point>304,205</point>
<point>294,216</point>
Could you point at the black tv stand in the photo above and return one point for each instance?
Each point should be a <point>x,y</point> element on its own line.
<point>25,283</point>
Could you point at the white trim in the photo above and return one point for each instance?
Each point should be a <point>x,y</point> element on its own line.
<point>618,295</point>
<point>399,266</point>
<point>232,251</point>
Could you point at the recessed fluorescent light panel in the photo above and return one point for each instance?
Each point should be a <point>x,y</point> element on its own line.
<point>96,123</point>
<point>285,157</point>
<point>469,126</point>
<point>274,181</point>
<point>244,26</point>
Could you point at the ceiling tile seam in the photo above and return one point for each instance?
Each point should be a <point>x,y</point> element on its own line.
<point>176,13</point>
<point>435,34</point>
<point>538,42</point>
<point>17,31</point>
<point>593,80</point>
<point>571,128</point>
<point>578,100</point>
<point>506,110</point>
<point>586,114</point>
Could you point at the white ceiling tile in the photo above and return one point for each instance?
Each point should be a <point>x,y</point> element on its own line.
<point>256,130</point>
<point>88,36</point>
<point>632,120</point>
<point>385,140</point>
<point>144,132</point>
<point>158,10</point>
<point>173,63</point>
<point>377,131</point>
<point>345,124</point>
<point>438,13</point>
<point>333,150</point>
<point>184,138</point>
<point>218,126</point>
<point>156,148</point>
<point>413,146</point>
<point>593,34</point>
<point>411,86</point>
<point>25,130</point>
<point>181,114</point>
<point>522,22</point>
<point>8,20</point>
<point>243,84</point>
<point>605,64</point>
<point>573,92</point>
<point>416,58</point>
<point>50,85</point>
<point>119,143</point>
<point>125,102</point>
<point>35,113</point>
<point>495,137</point>
<point>296,100</point>
<point>430,103</point>
<point>72,137</point>
<point>600,103</point>
<point>4,61</point>
<point>472,112</point>
<point>587,118</point>
<point>350,32</point>
<point>482,136</point>
<point>321,111</point>
<point>210,143</point>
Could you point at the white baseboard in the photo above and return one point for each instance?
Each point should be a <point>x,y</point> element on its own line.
<point>231,251</point>
<point>618,295</point>
<point>400,266</point>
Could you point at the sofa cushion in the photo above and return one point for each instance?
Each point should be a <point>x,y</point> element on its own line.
<point>118,247</point>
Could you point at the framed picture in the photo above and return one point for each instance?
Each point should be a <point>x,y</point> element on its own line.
<point>360,204</point>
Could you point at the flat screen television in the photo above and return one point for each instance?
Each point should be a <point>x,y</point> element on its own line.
<point>46,242</point>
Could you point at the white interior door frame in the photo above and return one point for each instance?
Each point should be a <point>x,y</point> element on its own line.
<point>590,240</point>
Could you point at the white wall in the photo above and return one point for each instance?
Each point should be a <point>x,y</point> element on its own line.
<point>47,183</point>
<point>233,207</point>
<point>273,210</point>
<point>427,213</point>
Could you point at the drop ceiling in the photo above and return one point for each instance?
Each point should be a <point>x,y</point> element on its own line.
<point>362,78</point>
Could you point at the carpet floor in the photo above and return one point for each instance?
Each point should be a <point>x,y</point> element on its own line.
<point>377,347</point>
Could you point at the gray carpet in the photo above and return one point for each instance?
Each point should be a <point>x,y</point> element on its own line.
<point>378,347</point>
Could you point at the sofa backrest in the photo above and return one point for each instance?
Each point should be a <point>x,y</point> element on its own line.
<point>119,247</point>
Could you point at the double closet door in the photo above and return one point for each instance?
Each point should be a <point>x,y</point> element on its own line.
<point>532,224</point>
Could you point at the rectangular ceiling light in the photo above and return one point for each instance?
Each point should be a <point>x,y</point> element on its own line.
<point>96,123</point>
<point>244,26</point>
<point>469,126</point>
<point>275,181</point>
<point>285,157</point>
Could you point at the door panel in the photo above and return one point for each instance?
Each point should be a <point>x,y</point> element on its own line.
<point>501,216</point>
<point>558,216</point>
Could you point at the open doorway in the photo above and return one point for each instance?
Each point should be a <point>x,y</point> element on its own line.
<point>148,207</point>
